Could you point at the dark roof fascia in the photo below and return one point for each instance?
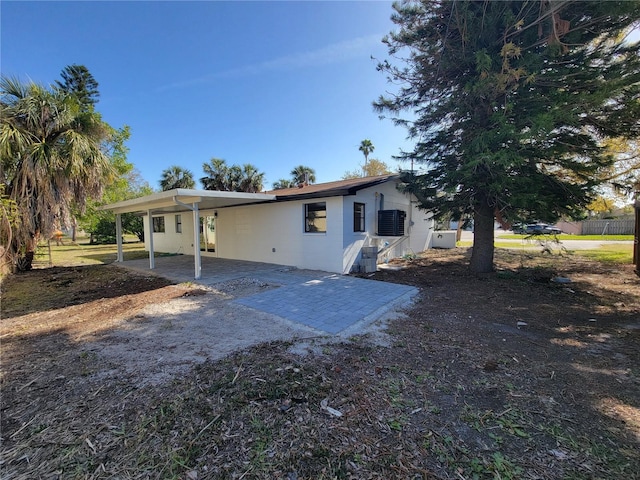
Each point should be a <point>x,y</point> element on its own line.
<point>340,192</point>
<point>334,192</point>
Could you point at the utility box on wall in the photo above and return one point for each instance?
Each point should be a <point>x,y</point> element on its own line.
<point>391,223</point>
<point>443,239</point>
<point>369,260</point>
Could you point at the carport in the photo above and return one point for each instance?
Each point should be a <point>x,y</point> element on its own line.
<point>177,201</point>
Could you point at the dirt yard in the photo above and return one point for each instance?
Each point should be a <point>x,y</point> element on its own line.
<point>532,372</point>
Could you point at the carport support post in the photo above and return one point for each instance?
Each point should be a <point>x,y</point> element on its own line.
<point>119,257</point>
<point>196,241</point>
<point>152,260</point>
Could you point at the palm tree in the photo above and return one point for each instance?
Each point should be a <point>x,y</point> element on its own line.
<point>302,173</point>
<point>366,147</point>
<point>217,173</point>
<point>176,177</point>
<point>219,176</point>
<point>233,181</point>
<point>253,180</point>
<point>282,184</point>
<point>51,159</point>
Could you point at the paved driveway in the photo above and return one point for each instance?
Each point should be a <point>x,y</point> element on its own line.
<point>329,303</point>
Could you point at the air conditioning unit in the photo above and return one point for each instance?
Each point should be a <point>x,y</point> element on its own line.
<point>391,223</point>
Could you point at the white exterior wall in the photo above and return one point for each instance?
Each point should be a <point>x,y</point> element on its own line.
<point>421,230</point>
<point>274,232</point>
<point>354,241</point>
<point>253,232</point>
<point>418,225</point>
<point>170,241</point>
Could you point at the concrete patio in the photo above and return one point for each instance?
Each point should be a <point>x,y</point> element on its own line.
<point>327,302</point>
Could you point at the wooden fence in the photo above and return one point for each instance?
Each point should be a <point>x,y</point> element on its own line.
<point>598,227</point>
<point>608,227</point>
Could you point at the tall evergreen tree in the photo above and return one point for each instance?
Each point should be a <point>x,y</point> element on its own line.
<point>624,176</point>
<point>511,103</point>
<point>78,81</point>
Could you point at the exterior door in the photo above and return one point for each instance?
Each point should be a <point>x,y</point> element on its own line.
<point>208,234</point>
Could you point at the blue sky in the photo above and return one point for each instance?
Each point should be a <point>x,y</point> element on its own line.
<point>275,84</point>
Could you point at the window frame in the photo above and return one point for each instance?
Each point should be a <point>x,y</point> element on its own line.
<point>309,222</point>
<point>359,215</point>
<point>178,223</point>
<point>158,224</point>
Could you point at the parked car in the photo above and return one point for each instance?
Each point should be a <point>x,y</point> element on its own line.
<point>541,229</point>
<point>519,228</point>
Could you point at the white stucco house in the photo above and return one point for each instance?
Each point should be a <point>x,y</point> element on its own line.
<point>319,226</point>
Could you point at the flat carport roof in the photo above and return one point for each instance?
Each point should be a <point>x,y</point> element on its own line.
<point>180,200</point>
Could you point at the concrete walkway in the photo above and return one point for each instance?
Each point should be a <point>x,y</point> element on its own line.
<point>329,303</point>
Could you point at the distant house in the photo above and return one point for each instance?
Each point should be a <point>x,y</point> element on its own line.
<point>319,226</point>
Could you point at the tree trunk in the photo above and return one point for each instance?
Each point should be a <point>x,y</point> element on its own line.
<point>29,256</point>
<point>483,236</point>
<point>459,229</point>
<point>25,263</point>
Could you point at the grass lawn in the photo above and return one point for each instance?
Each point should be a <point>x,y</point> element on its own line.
<point>83,253</point>
<point>497,244</point>
<point>610,253</point>
<point>566,236</point>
